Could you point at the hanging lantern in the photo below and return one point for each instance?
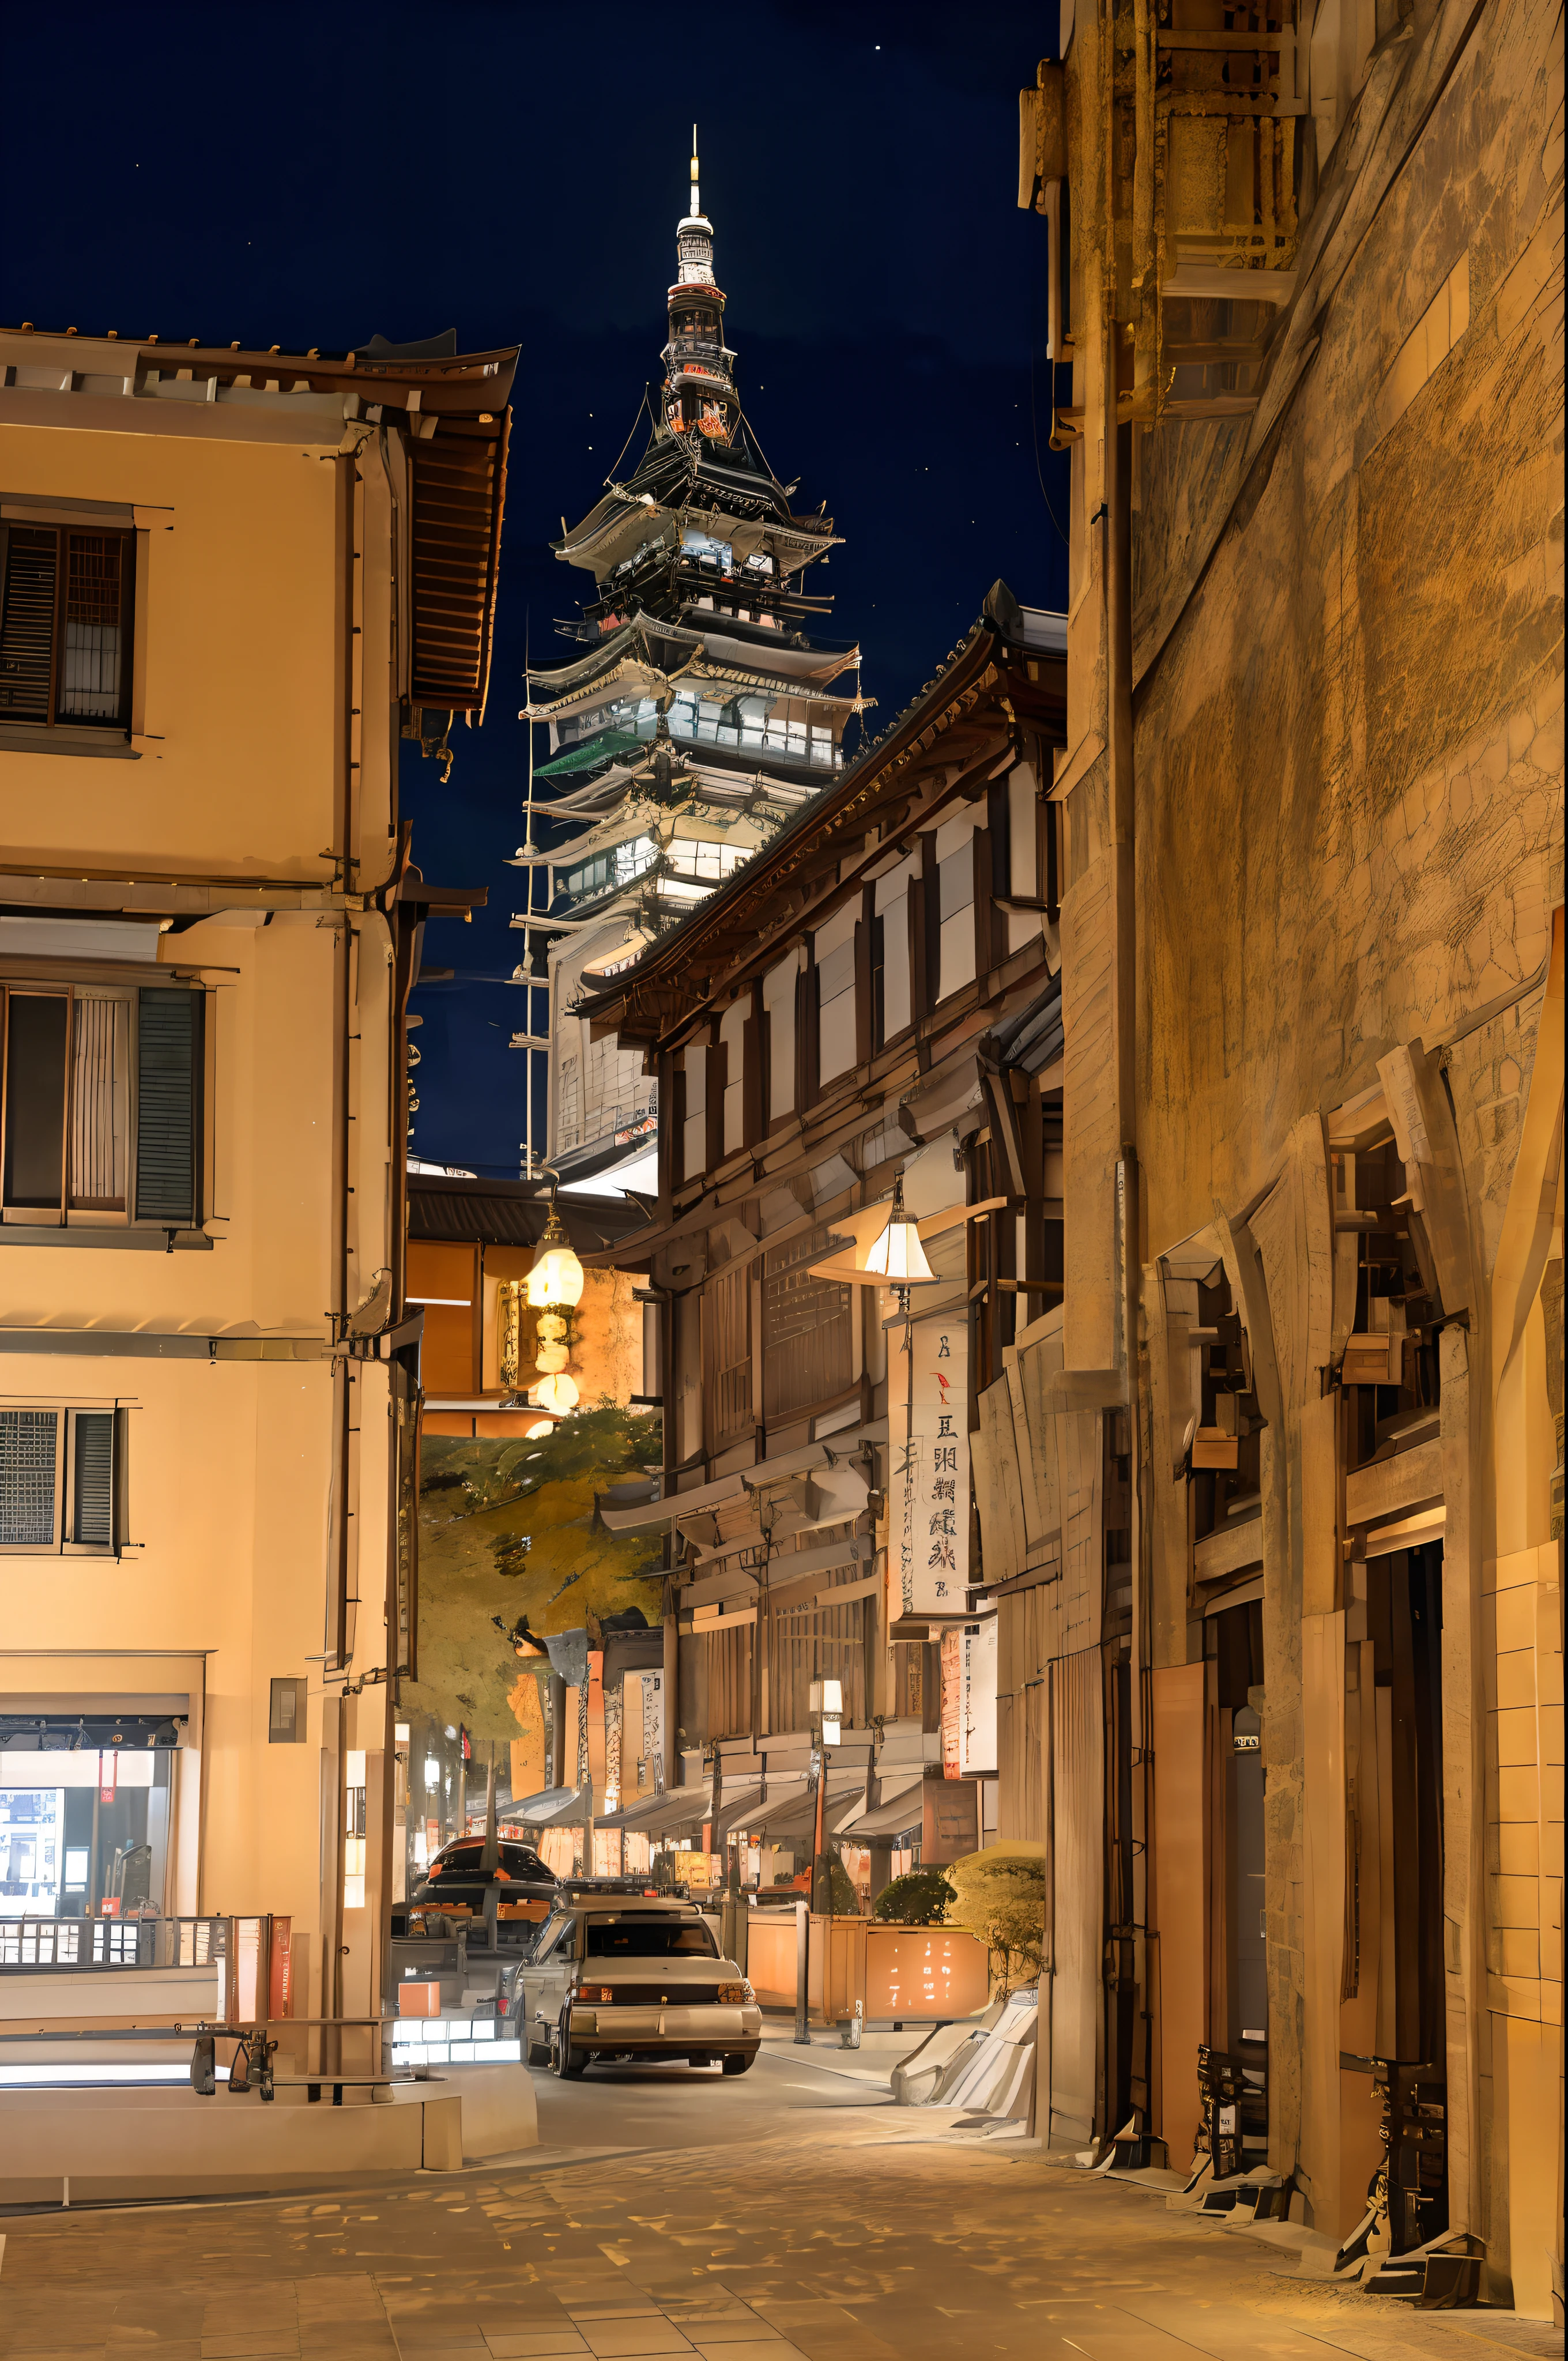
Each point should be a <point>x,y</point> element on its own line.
<point>557,1393</point>
<point>898,1256</point>
<point>557,1275</point>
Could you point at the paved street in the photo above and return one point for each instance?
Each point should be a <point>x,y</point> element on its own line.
<point>792,2213</point>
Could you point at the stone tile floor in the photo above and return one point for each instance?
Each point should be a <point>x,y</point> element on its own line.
<point>859,2236</point>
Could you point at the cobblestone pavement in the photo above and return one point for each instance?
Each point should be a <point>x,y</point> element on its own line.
<point>848,2232</point>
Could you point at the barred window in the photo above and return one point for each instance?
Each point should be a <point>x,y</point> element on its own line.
<point>66,602</point>
<point>58,1480</point>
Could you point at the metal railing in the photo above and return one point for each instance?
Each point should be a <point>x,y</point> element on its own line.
<point>28,1944</point>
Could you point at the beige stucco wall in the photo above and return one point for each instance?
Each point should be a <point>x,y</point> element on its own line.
<point>265,670</point>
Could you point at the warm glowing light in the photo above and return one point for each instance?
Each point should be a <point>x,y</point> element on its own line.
<point>557,1393</point>
<point>551,1357</point>
<point>898,1256</point>
<point>557,1275</point>
<point>545,1426</point>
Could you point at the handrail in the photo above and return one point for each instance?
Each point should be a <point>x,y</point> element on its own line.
<point>86,1944</point>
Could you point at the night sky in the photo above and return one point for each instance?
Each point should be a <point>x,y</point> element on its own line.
<point>288,176</point>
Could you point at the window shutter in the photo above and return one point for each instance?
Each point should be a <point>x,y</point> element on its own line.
<point>167,1045</point>
<point>26,623</point>
<point>93,1479</point>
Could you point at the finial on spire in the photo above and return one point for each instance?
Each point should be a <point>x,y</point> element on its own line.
<point>696,196</point>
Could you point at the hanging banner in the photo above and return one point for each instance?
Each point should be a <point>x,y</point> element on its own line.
<point>933,1484</point>
<point>653,1728</point>
<point>976,1698</point>
<point>952,1702</point>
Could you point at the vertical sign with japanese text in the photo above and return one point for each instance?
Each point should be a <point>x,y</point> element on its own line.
<point>933,1508</point>
<point>977,1698</point>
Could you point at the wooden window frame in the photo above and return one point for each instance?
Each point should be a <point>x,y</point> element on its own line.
<point>56,727</point>
<point>103,1215</point>
<point>67,1414</point>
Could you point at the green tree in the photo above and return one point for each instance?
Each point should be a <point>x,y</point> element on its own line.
<point>1000,1896</point>
<point>920,1899</point>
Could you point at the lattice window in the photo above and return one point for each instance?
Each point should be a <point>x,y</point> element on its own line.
<point>807,1338</point>
<point>730,1354</point>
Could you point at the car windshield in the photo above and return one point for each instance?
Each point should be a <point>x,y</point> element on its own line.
<point>461,1860</point>
<point>650,1938</point>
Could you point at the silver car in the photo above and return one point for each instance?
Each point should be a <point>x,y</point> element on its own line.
<point>632,1978</point>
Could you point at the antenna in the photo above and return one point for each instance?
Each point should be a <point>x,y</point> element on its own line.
<point>528,844</point>
<point>696,196</point>
<point>529,848</point>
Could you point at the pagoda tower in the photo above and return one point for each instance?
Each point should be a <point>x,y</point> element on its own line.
<point>701,712</point>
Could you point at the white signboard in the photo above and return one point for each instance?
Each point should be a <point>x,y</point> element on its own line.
<point>977,1698</point>
<point>932,1487</point>
<point>654,1726</point>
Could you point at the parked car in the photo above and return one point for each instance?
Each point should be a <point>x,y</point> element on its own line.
<point>454,1890</point>
<point>615,1978</point>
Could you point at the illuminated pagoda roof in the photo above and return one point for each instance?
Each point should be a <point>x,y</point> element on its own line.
<point>696,642</point>
<point>698,713</point>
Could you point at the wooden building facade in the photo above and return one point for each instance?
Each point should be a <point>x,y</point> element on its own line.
<point>873,996</point>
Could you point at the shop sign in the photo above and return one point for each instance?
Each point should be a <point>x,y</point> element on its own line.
<point>654,1726</point>
<point>933,1484</point>
<point>977,1698</point>
<point>952,1703</point>
<point>949,1820</point>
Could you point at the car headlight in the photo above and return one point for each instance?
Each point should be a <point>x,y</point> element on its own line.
<point>740,1992</point>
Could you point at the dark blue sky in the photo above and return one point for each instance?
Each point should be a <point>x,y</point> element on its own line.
<point>283,176</point>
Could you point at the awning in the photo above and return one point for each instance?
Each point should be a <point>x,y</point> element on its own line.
<point>734,1813</point>
<point>681,1810</point>
<point>806,1458</point>
<point>792,1815</point>
<point>551,1804</point>
<point>896,1812</point>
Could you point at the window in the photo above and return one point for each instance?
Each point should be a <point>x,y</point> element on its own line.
<point>779,988</point>
<point>892,917</point>
<point>834,952</point>
<point>618,866</point>
<point>729,1351</point>
<point>285,1713</point>
<point>808,1333</point>
<point>732,1038</point>
<point>694,1137</point>
<point>691,857</point>
<point>650,1938</point>
<point>100,1104</point>
<point>66,599</point>
<point>57,1480</point>
<point>955,903</point>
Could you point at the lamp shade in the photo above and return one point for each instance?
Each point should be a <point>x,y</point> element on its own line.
<point>557,1393</point>
<point>898,1256</point>
<point>557,1275</point>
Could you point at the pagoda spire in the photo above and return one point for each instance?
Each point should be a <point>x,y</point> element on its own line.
<point>694,236</point>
